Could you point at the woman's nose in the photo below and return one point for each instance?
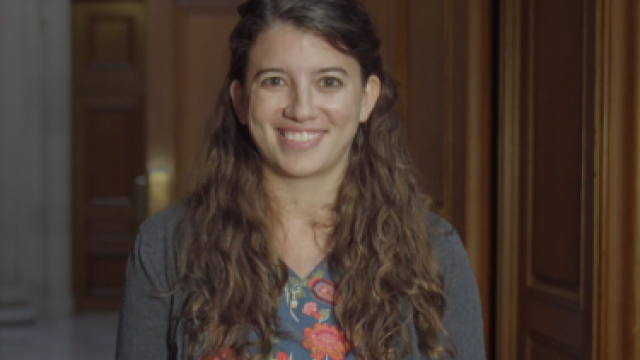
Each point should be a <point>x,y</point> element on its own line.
<point>301,105</point>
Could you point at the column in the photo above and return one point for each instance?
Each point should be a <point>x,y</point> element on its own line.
<point>35,143</point>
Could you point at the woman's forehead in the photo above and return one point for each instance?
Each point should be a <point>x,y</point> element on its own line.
<point>288,47</point>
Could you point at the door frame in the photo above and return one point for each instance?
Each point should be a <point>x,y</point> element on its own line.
<point>616,290</point>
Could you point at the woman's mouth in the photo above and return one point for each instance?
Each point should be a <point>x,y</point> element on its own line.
<point>301,136</point>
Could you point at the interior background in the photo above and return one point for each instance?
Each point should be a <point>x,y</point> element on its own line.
<point>522,116</point>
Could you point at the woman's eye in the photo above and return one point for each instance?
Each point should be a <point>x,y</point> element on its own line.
<point>330,82</point>
<point>273,82</point>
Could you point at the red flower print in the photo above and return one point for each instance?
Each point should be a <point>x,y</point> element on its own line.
<point>223,356</point>
<point>325,340</point>
<point>323,290</point>
<point>282,356</point>
<point>311,309</point>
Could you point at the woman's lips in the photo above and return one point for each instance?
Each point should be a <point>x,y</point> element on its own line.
<point>300,139</point>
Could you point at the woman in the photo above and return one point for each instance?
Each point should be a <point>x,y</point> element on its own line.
<point>307,237</point>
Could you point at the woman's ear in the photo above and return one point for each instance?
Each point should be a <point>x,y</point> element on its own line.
<point>237,97</point>
<point>370,97</point>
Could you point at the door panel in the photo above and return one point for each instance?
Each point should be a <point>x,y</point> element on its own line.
<point>550,192</point>
<point>189,58</point>
<point>448,121</point>
<point>202,58</point>
<point>108,146</point>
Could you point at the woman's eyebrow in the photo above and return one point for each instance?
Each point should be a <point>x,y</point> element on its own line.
<point>278,70</point>
<point>333,69</point>
<point>268,70</point>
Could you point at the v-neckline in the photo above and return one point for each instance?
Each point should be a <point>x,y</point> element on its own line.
<point>313,270</point>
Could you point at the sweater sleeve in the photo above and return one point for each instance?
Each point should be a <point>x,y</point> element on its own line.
<point>145,318</point>
<point>463,316</point>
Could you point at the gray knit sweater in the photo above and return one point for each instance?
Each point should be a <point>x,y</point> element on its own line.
<point>150,328</point>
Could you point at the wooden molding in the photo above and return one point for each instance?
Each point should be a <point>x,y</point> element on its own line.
<point>160,85</point>
<point>617,273</point>
<point>209,3</point>
<point>636,221</point>
<point>449,116</point>
<point>508,175</point>
<point>478,197</point>
<point>401,68</point>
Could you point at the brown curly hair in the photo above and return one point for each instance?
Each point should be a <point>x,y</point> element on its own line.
<point>379,253</point>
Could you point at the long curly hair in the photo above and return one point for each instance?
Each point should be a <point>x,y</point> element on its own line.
<point>379,250</point>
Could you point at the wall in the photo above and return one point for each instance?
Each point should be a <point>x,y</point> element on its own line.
<point>34,159</point>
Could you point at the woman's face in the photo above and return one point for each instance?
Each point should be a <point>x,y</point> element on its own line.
<point>303,101</point>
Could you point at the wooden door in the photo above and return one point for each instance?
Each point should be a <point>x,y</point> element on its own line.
<point>109,176</point>
<point>187,48</point>
<point>445,74</point>
<point>546,190</point>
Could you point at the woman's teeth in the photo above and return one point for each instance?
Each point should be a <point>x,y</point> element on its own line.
<point>301,136</point>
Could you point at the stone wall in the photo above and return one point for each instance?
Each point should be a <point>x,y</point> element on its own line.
<point>35,159</point>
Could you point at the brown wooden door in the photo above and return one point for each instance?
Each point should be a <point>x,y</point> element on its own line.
<point>445,76</point>
<point>188,58</point>
<point>109,176</point>
<point>547,158</point>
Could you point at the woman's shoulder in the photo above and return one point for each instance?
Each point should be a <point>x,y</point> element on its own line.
<point>462,319</point>
<point>158,232</point>
<point>154,249</point>
<point>447,245</point>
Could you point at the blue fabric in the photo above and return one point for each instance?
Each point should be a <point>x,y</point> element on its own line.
<point>307,322</point>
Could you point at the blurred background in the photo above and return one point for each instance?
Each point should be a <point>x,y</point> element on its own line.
<point>522,117</point>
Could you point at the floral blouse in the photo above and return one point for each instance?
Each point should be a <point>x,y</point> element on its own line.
<point>306,319</point>
<point>151,327</point>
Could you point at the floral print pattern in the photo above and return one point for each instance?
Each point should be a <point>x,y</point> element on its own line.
<point>324,340</point>
<point>223,356</point>
<point>283,356</point>
<point>311,309</point>
<point>323,290</point>
<point>306,319</point>
<point>311,331</point>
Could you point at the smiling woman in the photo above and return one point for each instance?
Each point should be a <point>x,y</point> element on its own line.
<point>307,237</point>
<point>303,101</point>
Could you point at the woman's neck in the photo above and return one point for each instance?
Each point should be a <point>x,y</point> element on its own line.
<point>302,198</point>
<point>303,209</point>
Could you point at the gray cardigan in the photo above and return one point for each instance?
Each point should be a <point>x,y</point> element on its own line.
<point>149,329</point>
